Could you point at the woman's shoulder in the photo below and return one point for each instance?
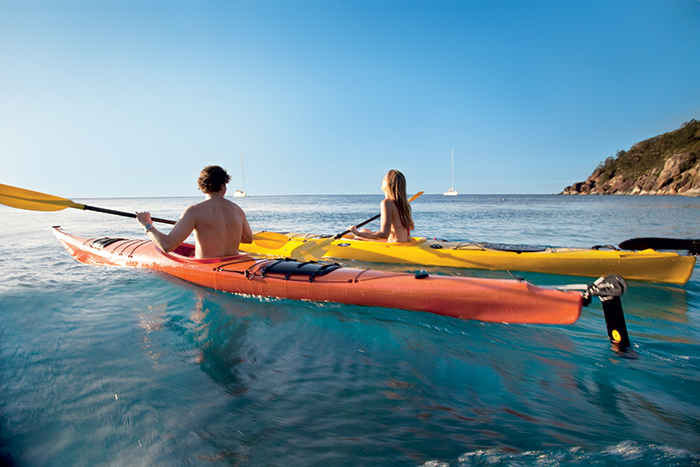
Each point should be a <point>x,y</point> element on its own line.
<point>389,205</point>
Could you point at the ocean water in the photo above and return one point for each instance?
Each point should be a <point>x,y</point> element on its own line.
<point>116,367</point>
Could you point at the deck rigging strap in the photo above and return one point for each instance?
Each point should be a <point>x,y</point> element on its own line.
<point>291,268</point>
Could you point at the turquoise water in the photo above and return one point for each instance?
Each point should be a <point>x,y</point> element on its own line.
<point>115,367</point>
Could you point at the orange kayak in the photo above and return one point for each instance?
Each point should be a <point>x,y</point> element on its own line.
<point>495,300</point>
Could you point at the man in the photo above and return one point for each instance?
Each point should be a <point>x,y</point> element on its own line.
<point>219,225</point>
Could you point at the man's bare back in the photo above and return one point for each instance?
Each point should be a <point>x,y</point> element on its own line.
<point>219,225</point>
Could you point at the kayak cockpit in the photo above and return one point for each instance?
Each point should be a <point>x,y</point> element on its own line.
<point>186,251</point>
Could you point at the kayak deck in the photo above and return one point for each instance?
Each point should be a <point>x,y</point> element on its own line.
<point>646,265</point>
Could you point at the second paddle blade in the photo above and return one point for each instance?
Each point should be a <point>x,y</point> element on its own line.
<point>271,240</point>
<point>311,250</point>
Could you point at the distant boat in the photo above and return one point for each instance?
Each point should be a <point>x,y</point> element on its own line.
<point>452,191</point>
<point>241,193</point>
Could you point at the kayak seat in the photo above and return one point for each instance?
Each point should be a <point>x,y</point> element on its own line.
<point>292,268</point>
<point>185,249</point>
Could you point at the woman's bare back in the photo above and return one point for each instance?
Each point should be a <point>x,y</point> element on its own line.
<point>398,232</point>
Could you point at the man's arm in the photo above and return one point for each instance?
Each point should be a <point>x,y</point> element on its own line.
<point>246,232</point>
<point>178,234</point>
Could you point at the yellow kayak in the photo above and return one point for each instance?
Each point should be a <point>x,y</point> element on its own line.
<point>646,265</point>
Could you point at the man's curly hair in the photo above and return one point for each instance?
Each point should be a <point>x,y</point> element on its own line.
<point>212,179</point>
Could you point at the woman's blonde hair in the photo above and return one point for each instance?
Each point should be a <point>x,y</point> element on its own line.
<point>396,187</point>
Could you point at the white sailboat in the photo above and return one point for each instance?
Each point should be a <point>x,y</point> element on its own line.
<point>241,193</point>
<point>452,191</point>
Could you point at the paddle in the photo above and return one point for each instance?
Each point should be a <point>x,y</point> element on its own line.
<point>313,250</point>
<point>656,243</point>
<point>34,201</point>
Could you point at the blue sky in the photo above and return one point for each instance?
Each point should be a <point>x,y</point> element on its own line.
<point>133,98</point>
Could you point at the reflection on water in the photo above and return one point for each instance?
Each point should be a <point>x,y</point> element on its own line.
<point>658,302</point>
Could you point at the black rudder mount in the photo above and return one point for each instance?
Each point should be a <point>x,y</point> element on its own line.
<point>609,289</point>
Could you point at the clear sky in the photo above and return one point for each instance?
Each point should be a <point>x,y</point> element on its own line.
<point>133,98</point>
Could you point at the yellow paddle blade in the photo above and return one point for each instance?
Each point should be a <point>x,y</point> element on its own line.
<point>416,196</point>
<point>270,240</point>
<point>311,250</point>
<point>34,201</point>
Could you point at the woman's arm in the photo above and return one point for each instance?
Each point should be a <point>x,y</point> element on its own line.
<point>387,209</point>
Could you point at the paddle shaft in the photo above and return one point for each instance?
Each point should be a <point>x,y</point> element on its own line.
<point>20,198</point>
<point>265,239</point>
<point>315,249</point>
<point>374,218</point>
<point>124,214</point>
<point>337,236</point>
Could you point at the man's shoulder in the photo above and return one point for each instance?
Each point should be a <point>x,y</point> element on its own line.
<point>218,203</point>
<point>231,204</point>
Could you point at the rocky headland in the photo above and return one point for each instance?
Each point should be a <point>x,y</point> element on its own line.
<point>667,164</point>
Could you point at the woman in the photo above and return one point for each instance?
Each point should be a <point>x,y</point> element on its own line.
<point>396,220</point>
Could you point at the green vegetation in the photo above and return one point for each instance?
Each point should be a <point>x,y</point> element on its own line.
<point>652,154</point>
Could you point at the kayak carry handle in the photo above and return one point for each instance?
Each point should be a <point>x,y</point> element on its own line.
<point>609,289</point>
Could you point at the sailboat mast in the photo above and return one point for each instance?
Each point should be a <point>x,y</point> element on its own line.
<point>452,191</point>
<point>243,177</point>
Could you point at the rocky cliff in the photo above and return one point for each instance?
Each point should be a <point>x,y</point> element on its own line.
<point>667,164</point>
